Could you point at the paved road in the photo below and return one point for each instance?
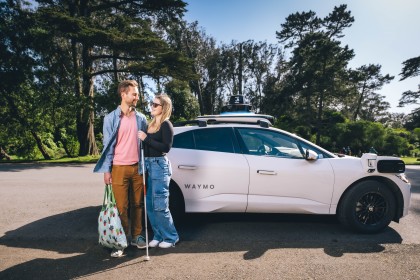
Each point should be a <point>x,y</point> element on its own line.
<point>48,231</point>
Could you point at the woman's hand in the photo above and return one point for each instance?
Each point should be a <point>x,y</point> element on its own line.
<point>142,135</point>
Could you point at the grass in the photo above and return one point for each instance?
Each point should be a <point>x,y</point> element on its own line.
<point>411,160</point>
<point>83,159</point>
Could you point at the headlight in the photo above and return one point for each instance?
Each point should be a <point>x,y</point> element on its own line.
<point>402,177</point>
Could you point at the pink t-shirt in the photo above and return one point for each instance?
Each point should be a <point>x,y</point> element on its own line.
<point>126,149</point>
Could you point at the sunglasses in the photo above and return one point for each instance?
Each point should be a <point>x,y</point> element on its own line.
<point>154,105</point>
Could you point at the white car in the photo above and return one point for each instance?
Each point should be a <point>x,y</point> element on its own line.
<point>232,164</point>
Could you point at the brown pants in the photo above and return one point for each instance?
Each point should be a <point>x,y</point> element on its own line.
<point>127,183</point>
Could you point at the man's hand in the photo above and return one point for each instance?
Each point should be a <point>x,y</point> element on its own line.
<point>107,178</point>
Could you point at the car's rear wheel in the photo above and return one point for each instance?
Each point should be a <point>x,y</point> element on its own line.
<point>176,203</point>
<point>368,207</point>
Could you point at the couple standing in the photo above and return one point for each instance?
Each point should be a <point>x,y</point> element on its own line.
<point>120,162</point>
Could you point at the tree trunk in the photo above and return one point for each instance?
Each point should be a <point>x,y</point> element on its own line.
<point>40,146</point>
<point>240,69</point>
<point>3,154</point>
<point>319,117</point>
<point>321,106</point>
<point>86,115</point>
<point>359,103</point>
<point>24,123</point>
<point>85,122</point>
<point>196,83</point>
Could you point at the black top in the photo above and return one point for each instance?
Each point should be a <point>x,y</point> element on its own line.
<point>157,144</point>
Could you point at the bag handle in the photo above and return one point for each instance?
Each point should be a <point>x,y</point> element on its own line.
<point>111,195</point>
<point>109,198</point>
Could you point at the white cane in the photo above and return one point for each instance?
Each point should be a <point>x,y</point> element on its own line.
<point>147,258</point>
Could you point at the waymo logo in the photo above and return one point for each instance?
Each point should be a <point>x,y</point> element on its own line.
<point>198,186</point>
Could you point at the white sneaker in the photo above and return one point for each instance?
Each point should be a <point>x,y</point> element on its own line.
<point>117,253</point>
<point>165,245</point>
<point>153,243</point>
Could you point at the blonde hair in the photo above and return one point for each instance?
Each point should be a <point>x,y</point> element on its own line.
<point>166,103</point>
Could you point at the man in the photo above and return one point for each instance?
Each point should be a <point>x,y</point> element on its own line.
<point>120,161</point>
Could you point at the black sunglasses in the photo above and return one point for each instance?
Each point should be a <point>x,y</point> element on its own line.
<point>154,105</point>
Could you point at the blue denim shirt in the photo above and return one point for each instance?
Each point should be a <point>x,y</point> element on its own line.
<point>110,130</point>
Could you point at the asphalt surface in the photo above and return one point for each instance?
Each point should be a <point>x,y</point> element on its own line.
<point>48,219</point>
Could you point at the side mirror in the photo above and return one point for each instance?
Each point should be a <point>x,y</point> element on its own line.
<point>310,155</point>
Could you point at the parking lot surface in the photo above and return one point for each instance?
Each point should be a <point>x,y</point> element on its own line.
<point>49,231</point>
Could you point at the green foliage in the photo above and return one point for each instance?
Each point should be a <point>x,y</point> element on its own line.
<point>61,65</point>
<point>185,105</point>
<point>416,133</point>
<point>360,136</point>
<point>23,146</point>
<point>411,160</point>
<point>410,69</point>
<point>396,144</point>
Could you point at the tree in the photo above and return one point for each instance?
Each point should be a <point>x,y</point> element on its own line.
<point>110,37</point>
<point>318,60</point>
<point>259,59</point>
<point>411,69</point>
<point>202,50</point>
<point>396,143</point>
<point>367,79</point>
<point>22,114</point>
<point>185,105</point>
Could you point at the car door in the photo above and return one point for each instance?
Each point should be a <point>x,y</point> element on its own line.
<point>211,173</point>
<point>281,179</point>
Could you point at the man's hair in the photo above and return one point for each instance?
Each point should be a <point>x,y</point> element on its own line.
<point>124,85</point>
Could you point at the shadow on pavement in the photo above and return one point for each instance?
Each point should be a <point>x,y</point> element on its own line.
<point>257,233</point>
<point>75,233</point>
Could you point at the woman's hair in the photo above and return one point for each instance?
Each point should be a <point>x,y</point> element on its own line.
<point>166,103</point>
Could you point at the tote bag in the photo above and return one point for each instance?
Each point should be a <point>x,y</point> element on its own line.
<point>111,232</point>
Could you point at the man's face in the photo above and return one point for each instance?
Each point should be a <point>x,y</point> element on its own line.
<point>131,96</point>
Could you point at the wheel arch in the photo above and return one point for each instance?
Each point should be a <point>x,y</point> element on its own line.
<point>177,196</point>
<point>390,185</point>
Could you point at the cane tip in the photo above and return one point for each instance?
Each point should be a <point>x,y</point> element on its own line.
<point>146,258</point>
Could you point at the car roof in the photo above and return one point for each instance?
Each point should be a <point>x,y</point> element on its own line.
<point>246,117</point>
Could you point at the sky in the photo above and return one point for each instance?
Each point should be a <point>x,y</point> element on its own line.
<point>385,32</point>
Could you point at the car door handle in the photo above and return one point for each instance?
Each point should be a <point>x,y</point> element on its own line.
<point>266,172</point>
<point>188,167</point>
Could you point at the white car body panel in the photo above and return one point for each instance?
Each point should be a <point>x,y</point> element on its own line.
<point>207,185</point>
<point>230,182</point>
<point>349,170</point>
<point>275,186</point>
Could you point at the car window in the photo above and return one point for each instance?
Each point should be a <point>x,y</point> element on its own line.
<point>208,139</point>
<point>214,139</point>
<point>321,154</point>
<point>269,143</point>
<point>184,140</point>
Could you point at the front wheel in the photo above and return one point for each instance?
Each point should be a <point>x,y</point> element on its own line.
<point>368,207</point>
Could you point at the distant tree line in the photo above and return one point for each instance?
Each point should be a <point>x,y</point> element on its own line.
<point>61,62</point>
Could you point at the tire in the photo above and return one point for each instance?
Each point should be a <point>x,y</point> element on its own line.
<point>176,204</point>
<point>368,207</point>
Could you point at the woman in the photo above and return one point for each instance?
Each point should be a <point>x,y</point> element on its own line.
<point>157,142</point>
